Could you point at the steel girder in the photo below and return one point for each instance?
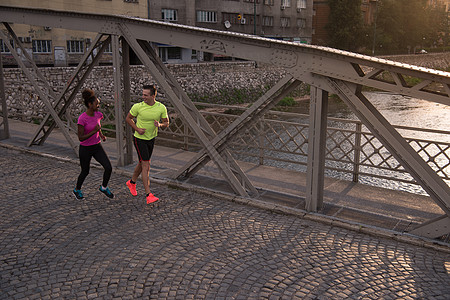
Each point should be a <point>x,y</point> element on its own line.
<point>4,126</point>
<point>397,146</point>
<point>122,101</point>
<point>245,120</point>
<point>298,59</point>
<point>324,68</point>
<point>127,156</point>
<point>118,106</point>
<point>189,113</point>
<point>70,90</point>
<point>38,81</point>
<point>318,109</point>
<point>433,228</point>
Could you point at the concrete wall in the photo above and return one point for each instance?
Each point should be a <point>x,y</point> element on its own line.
<point>208,82</point>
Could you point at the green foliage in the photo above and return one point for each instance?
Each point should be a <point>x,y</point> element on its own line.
<point>229,96</point>
<point>406,25</point>
<point>233,111</point>
<point>345,27</point>
<point>286,101</point>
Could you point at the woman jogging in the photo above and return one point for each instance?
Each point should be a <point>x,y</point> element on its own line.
<point>90,136</point>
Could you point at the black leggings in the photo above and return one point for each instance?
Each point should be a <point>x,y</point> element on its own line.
<point>96,151</point>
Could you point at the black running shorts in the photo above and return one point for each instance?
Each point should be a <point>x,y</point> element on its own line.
<point>144,148</point>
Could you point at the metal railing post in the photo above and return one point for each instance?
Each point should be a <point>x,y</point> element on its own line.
<point>357,151</point>
<point>128,148</point>
<point>186,136</point>
<point>316,149</point>
<point>4,127</point>
<point>261,141</point>
<point>118,108</point>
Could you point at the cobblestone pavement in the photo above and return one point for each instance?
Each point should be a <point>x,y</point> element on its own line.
<point>186,246</point>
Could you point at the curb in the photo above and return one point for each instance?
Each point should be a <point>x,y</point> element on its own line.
<point>258,203</point>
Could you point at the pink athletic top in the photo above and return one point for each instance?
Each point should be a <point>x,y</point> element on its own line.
<point>89,124</point>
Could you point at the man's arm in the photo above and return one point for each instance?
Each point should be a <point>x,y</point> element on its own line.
<point>130,121</point>
<point>163,124</point>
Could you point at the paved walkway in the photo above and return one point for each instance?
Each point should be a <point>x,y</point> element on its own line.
<point>280,189</point>
<point>188,245</point>
<point>202,245</point>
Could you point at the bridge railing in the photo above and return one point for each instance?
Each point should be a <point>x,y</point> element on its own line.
<point>280,139</point>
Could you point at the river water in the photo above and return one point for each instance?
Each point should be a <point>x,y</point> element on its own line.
<point>398,110</point>
<point>402,111</point>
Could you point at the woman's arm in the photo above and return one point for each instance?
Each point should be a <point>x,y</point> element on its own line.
<point>82,136</point>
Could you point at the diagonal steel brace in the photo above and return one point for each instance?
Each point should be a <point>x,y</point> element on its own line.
<point>34,81</point>
<point>71,88</point>
<point>245,120</point>
<point>187,110</point>
<point>394,142</point>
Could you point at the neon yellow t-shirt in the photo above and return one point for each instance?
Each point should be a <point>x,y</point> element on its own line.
<point>146,116</point>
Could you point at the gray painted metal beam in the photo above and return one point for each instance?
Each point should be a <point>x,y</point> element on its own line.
<point>67,95</point>
<point>325,69</point>
<point>394,142</point>
<point>43,93</point>
<point>434,228</point>
<point>245,120</point>
<point>128,147</point>
<point>4,126</point>
<point>298,59</point>
<point>118,105</point>
<point>318,109</point>
<point>188,112</point>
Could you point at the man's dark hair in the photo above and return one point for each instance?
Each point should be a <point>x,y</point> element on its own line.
<point>150,87</point>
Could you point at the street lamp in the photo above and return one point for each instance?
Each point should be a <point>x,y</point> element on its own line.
<point>254,17</point>
<point>375,28</point>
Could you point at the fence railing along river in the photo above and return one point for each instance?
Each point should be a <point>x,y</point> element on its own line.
<point>280,139</point>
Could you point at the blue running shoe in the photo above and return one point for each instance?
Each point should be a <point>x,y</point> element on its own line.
<point>78,194</point>
<point>106,191</point>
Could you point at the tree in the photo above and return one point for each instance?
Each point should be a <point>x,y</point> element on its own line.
<point>405,25</point>
<point>345,24</point>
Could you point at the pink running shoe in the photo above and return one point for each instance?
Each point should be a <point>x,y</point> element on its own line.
<point>151,198</point>
<point>132,188</point>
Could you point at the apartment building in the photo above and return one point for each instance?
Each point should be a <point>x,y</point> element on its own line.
<point>289,20</point>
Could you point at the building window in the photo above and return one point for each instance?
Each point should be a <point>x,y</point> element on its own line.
<point>301,23</point>
<point>206,16</point>
<point>194,54</point>
<point>268,2</point>
<point>75,47</point>
<point>4,48</point>
<point>231,17</point>
<point>301,4</point>
<point>268,21</point>
<point>285,22</point>
<point>250,19</point>
<point>174,53</point>
<point>285,3</point>
<point>169,15</point>
<point>42,46</point>
<point>251,1</point>
<point>131,1</point>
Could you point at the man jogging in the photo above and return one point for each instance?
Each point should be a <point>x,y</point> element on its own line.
<point>150,115</point>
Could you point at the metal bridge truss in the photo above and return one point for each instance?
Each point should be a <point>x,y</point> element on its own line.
<point>325,69</point>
